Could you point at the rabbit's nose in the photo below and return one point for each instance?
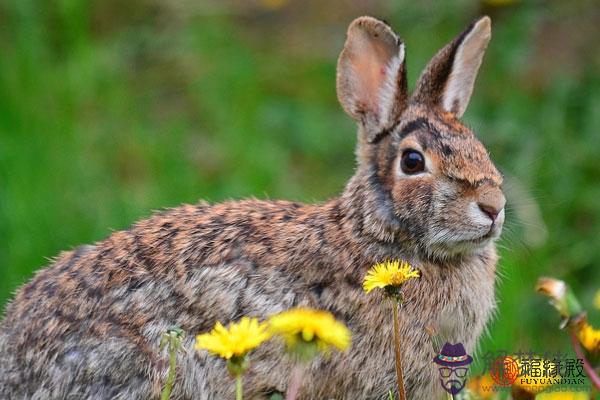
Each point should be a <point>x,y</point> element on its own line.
<point>492,203</point>
<point>489,211</point>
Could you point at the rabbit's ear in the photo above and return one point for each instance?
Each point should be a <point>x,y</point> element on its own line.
<point>449,77</point>
<point>371,75</point>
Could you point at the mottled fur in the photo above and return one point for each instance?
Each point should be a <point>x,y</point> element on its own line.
<point>88,326</point>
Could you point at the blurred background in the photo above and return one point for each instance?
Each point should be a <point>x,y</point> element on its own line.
<point>110,110</point>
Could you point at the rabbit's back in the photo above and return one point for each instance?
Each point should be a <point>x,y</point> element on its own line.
<point>88,326</point>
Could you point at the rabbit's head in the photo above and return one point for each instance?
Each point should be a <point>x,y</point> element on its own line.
<point>431,183</point>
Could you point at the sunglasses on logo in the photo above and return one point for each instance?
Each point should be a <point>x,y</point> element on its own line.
<point>445,372</point>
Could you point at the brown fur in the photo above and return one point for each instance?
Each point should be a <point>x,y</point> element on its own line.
<point>88,326</point>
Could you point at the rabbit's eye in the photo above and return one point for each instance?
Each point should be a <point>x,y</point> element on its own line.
<point>412,162</point>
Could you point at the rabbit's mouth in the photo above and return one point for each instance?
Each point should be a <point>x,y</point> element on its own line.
<point>482,239</point>
<point>449,248</point>
<point>492,234</point>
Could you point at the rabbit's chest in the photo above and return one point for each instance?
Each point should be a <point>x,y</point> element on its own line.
<point>456,307</point>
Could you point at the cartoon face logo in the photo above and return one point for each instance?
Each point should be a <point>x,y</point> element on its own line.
<point>453,363</point>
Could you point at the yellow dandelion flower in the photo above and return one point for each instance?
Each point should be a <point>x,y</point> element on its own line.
<point>597,300</point>
<point>389,273</point>
<point>310,325</point>
<point>236,340</point>
<point>589,338</point>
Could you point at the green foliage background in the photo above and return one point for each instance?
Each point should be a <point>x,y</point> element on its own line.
<point>109,110</point>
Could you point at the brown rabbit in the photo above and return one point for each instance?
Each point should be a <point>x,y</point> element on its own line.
<point>425,190</point>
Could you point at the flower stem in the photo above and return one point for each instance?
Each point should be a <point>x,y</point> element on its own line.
<point>397,347</point>
<point>589,370</point>
<point>238,387</point>
<point>166,393</point>
<point>295,383</point>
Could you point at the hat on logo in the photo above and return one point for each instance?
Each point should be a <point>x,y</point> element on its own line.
<point>453,355</point>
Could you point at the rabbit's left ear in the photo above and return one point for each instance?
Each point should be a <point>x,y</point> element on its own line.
<point>371,76</point>
<point>449,78</point>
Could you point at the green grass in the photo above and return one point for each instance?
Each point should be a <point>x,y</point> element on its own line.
<point>110,111</point>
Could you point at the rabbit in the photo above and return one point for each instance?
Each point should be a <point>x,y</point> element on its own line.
<point>424,190</point>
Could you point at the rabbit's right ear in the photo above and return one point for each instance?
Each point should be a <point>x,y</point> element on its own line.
<point>448,80</point>
<point>371,76</point>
